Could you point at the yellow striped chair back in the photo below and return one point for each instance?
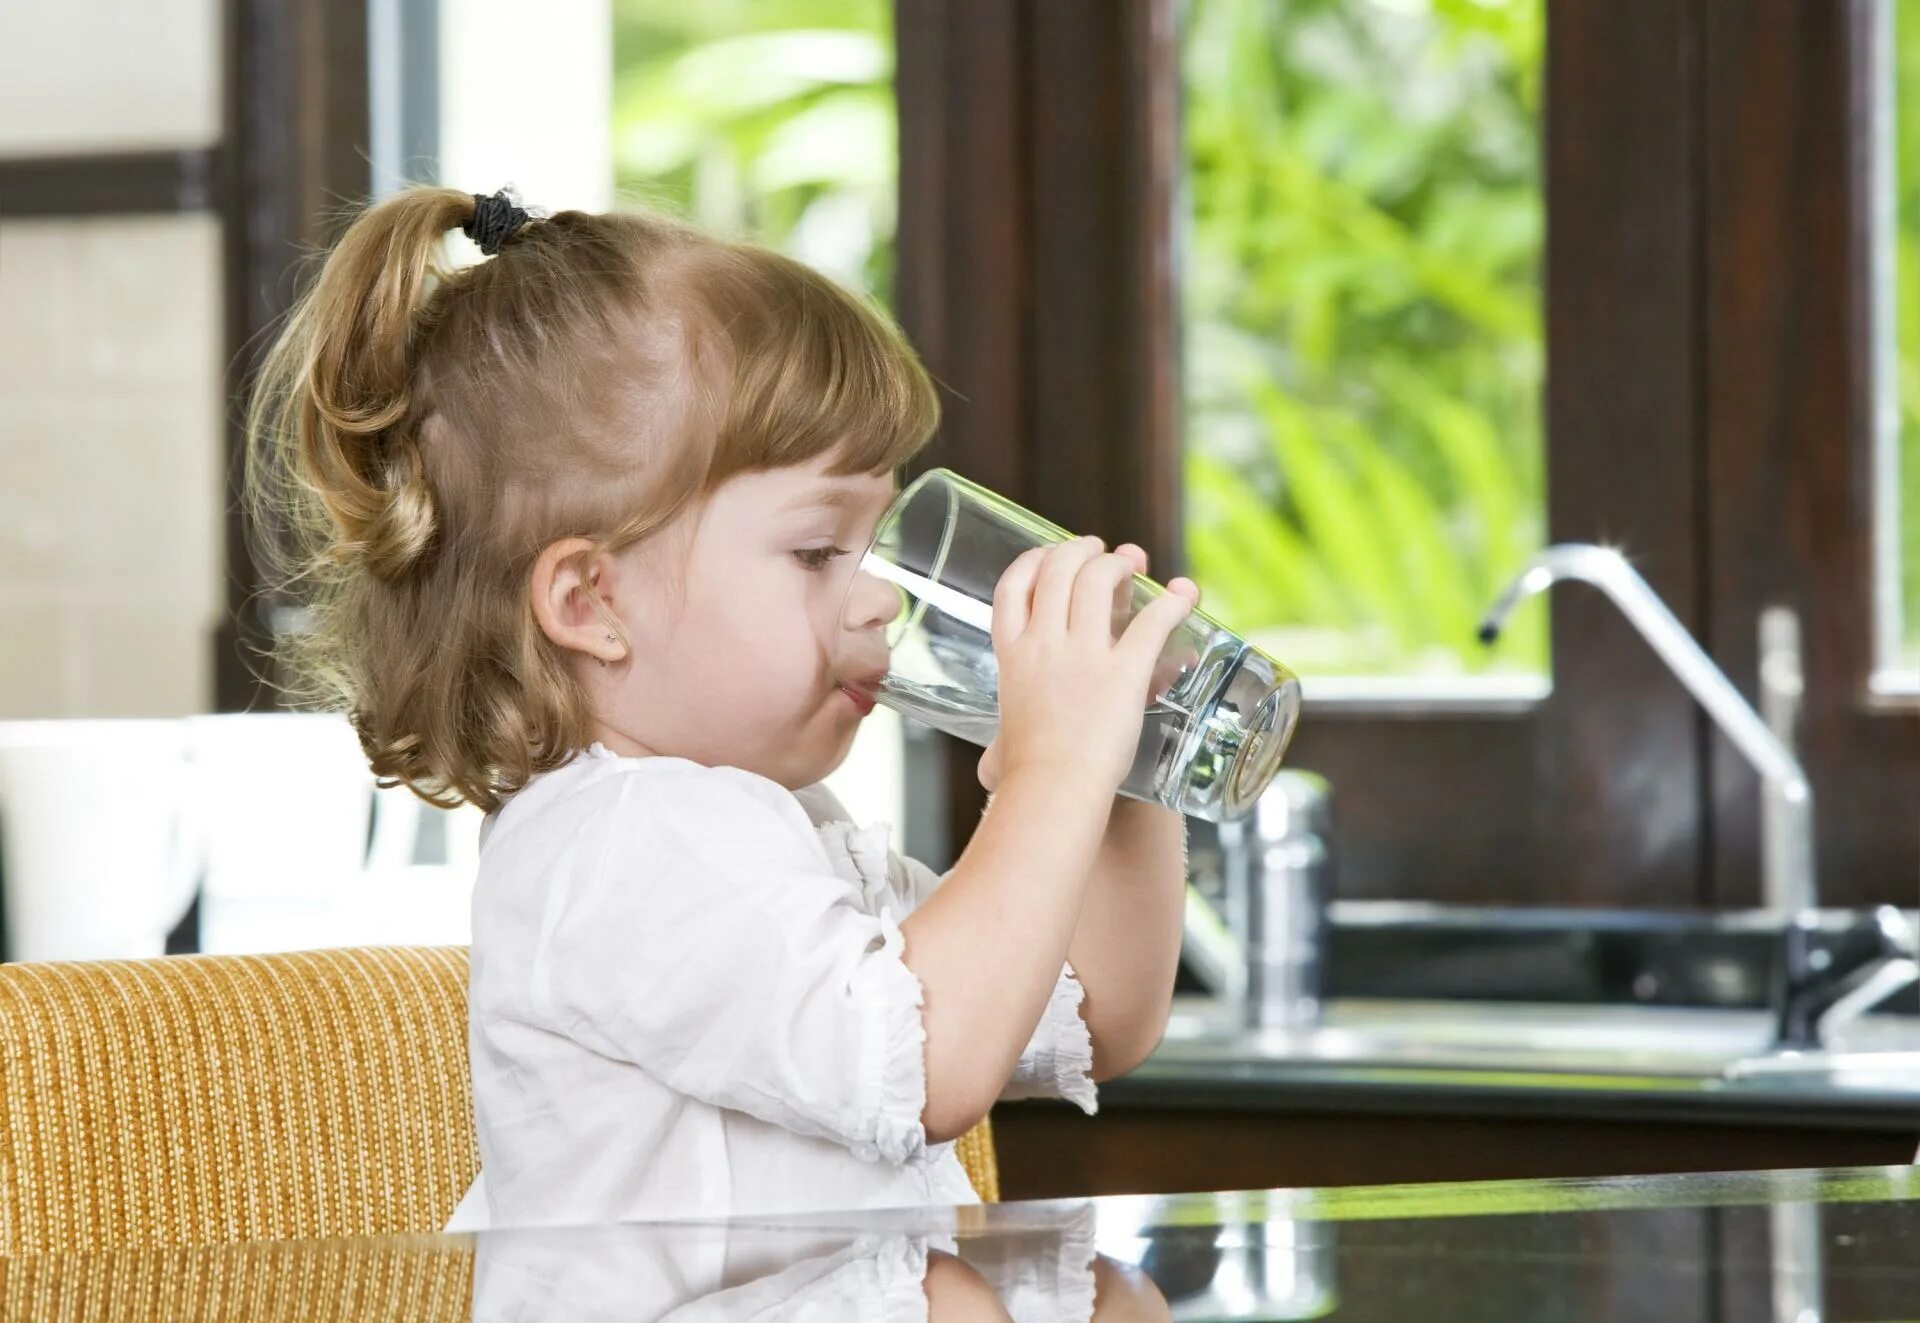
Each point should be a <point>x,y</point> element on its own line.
<point>211,1100</point>
<point>401,1279</point>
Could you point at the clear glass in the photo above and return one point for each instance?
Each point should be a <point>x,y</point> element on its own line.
<point>1220,712</point>
<point>1360,259</point>
<point>1897,466</point>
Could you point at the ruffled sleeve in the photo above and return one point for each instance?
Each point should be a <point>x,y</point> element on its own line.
<point>1057,1061</point>
<point>704,936</point>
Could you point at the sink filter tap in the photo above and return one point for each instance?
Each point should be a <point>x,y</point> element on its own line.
<point>1278,880</point>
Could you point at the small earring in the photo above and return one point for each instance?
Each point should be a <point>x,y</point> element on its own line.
<point>612,639</point>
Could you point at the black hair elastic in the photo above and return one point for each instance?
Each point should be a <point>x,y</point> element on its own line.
<point>495,220</point>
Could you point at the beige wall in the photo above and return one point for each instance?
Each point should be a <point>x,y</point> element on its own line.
<point>111,344</point>
<point>108,75</point>
<point>110,434</point>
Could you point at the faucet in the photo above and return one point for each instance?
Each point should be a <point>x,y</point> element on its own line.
<point>1262,952</point>
<point>1827,974</point>
<point>1265,956</point>
<point>1786,814</point>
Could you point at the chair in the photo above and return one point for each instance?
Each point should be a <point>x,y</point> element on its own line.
<point>393,1279</point>
<point>202,1100</point>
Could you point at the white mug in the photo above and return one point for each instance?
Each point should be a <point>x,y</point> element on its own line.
<point>101,837</point>
<point>294,796</point>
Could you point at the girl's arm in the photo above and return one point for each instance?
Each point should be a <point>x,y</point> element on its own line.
<point>1127,944</point>
<point>988,944</point>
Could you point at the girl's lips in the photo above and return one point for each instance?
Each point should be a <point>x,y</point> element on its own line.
<point>862,701</point>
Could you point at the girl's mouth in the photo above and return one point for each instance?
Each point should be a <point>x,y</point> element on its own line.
<point>862,703</point>
<point>860,692</point>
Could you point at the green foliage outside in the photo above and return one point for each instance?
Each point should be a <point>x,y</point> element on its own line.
<point>1905,649</point>
<point>764,119</point>
<point>1361,290</point>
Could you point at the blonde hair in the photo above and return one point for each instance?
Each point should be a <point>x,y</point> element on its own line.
<point>418,435</point>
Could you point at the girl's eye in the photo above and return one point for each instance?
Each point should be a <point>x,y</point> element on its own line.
<point>818,558</point>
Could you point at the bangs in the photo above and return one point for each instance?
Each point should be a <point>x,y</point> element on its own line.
<point>814,371</point>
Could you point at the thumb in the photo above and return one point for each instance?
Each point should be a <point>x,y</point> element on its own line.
<point>990,767</point>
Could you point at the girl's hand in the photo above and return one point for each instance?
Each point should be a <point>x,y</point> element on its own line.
<point>1070,694</point>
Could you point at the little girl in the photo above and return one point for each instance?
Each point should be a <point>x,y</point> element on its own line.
<point>573,530</point>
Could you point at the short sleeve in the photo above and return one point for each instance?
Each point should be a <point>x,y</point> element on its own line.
<point>1057,1061</point>
<point>709,942</point>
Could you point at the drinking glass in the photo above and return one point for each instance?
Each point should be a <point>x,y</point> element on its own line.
<point>1220,713</point>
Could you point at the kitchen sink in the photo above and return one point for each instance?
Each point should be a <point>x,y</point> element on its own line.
<point>1645,1042</point>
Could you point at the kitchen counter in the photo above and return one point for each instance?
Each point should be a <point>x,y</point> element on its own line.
<point>1790,1245</point>
<point>1400,1090</point>
<point>1626,1063</point>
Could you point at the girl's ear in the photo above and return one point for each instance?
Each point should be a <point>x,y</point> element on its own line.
<point>573,594</point>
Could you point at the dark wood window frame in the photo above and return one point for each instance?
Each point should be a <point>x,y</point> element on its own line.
<point>297,158</point>
<point>1789,426</point>
<point>1706,313</point>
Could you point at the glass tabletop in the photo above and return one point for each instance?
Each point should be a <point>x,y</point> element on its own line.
<point>1790,1247</point>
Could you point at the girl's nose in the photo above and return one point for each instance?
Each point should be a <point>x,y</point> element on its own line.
<point>871,602</point>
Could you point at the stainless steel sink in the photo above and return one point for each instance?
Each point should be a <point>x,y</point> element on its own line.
<point>1616,1041</point>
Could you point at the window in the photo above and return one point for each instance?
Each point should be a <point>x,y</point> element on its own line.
<point>770,121</point>
<point>1089,198</point>
<point>1360,281</point>
<point>1897,421</point>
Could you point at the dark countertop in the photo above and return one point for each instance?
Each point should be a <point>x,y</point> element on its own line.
<point>1794,1246</point>
<point>1871,1103</point>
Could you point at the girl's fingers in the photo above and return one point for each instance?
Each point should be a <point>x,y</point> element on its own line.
<point>1098,592</point>
<point>1182,584</point>
<point>1147,635</point>
<point>1053,591</point>
<point>1013,596</point>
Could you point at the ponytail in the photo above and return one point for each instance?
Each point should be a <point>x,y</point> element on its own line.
<point>336,397</point>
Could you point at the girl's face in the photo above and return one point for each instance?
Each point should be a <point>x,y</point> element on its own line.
<point>740,653</point>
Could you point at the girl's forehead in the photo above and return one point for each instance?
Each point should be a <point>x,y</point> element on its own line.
<point>804,488</point>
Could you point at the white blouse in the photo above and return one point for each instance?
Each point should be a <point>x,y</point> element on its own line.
<point>743,1271</point>
<point>688,1000</point>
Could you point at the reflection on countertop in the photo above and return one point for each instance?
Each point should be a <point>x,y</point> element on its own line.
<point>1784,1246</point>
<point>1746,1248</point>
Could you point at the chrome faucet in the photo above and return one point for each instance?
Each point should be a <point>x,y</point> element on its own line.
<point>1262,951</point>
<point>1786,815</point>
